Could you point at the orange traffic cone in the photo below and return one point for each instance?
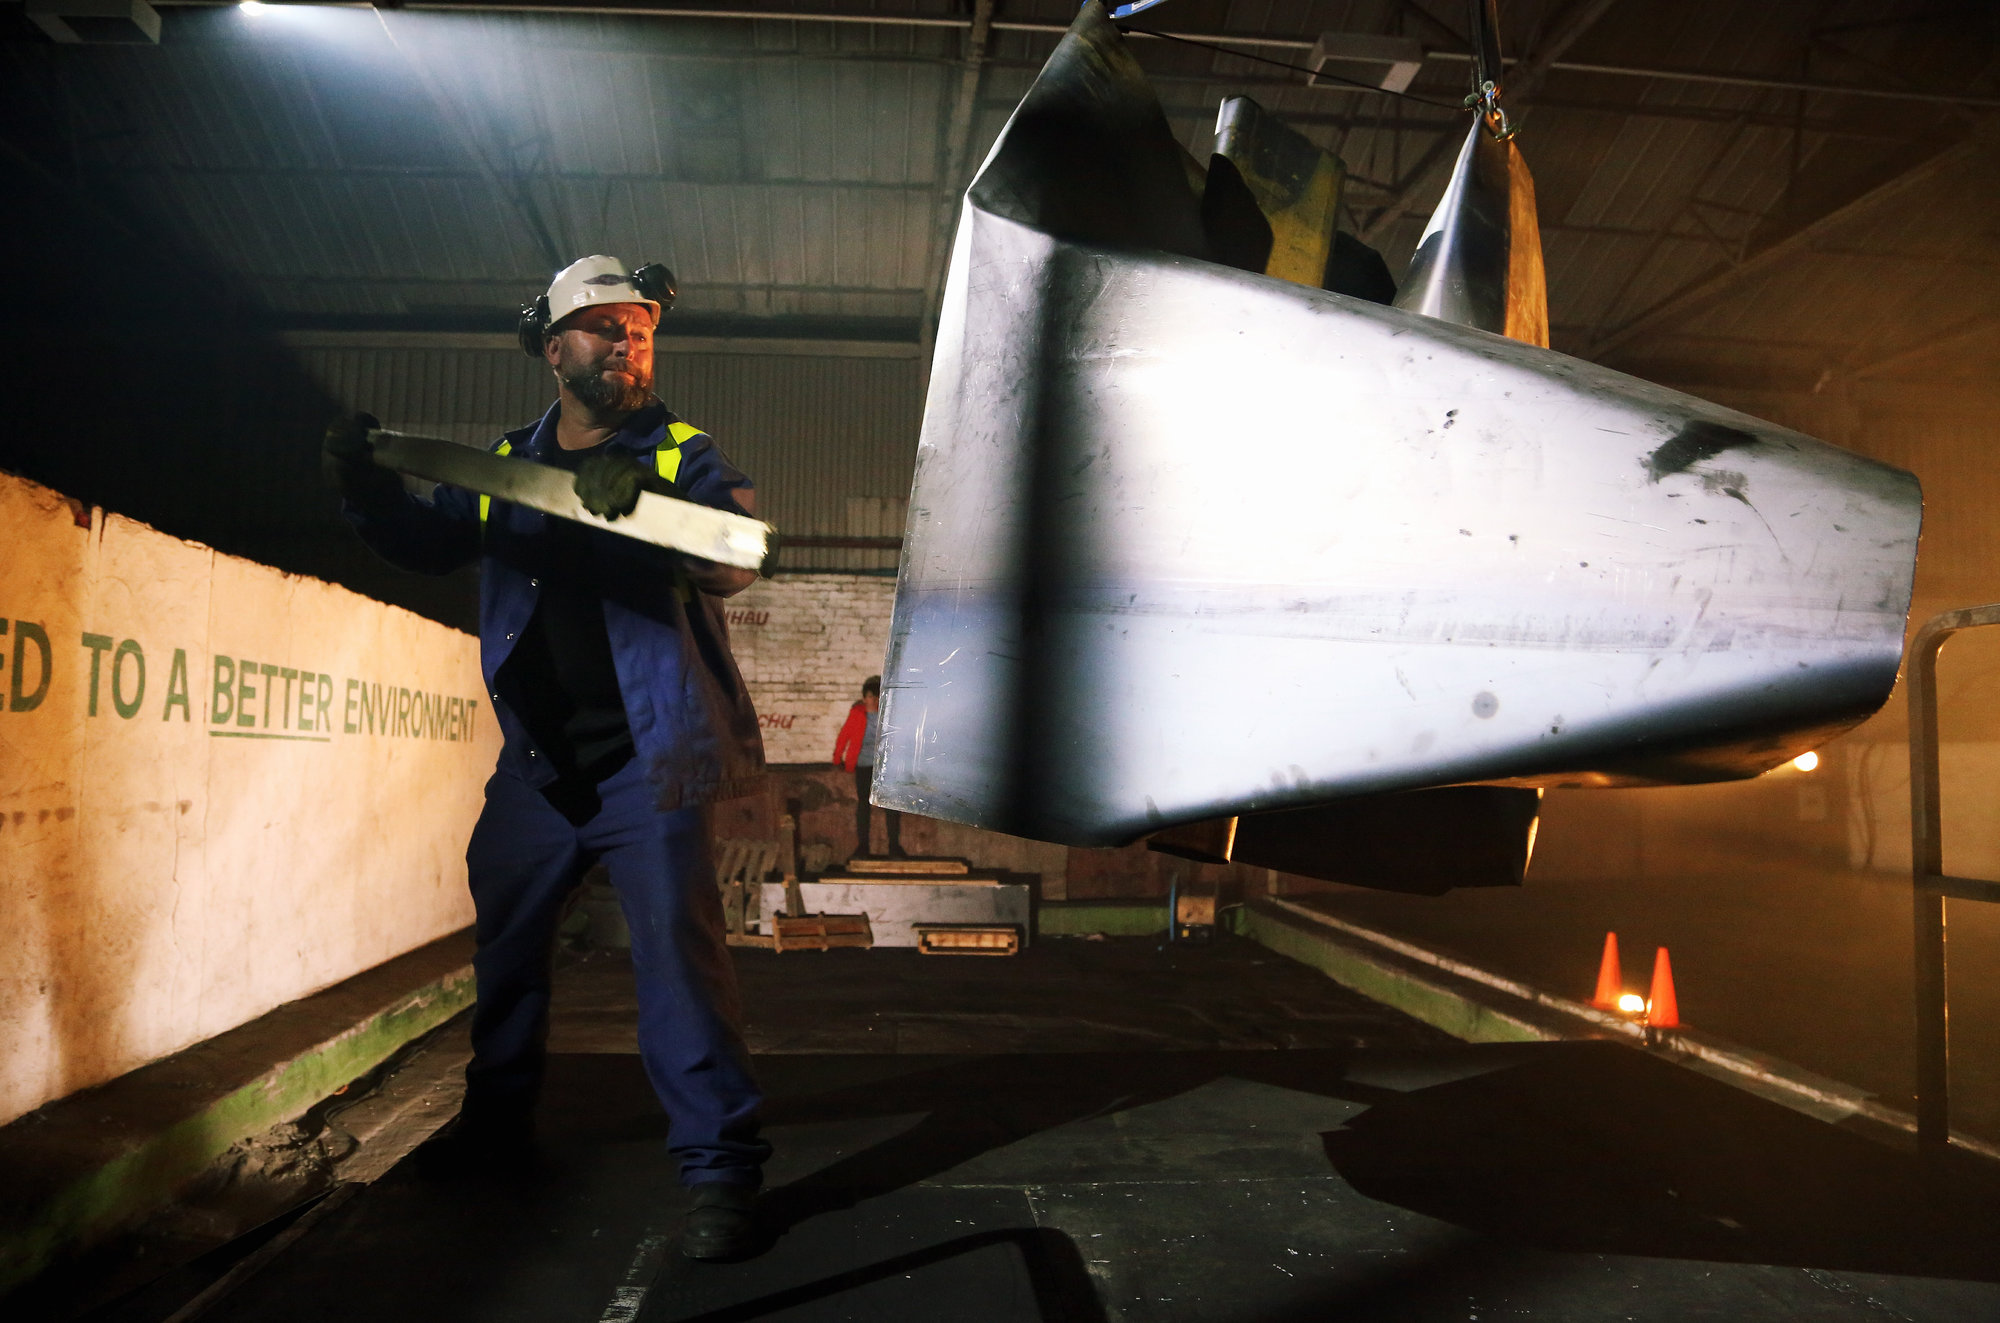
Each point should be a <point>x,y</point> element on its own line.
<point>1663,1009</point>
<point>1610,981</point>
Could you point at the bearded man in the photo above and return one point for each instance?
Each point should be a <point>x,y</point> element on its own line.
<point>623,716</point>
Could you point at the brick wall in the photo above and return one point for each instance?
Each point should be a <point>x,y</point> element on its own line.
<point>805,643</point>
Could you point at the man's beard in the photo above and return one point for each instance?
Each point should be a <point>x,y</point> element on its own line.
<point>604,395</point>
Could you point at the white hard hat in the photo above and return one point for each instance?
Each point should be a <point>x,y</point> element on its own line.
<point>592,280</point>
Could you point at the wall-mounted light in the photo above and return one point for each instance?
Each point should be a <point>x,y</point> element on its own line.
<point>1805,762</point>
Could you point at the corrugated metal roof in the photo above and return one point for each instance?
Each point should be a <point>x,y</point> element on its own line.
<point>396,167</point>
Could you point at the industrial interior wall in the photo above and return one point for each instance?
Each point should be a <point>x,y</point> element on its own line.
<point>816,431</point>
<point>221,788</point>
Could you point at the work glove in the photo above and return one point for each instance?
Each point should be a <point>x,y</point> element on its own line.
<point>348,462</point>
<point>609,484</point>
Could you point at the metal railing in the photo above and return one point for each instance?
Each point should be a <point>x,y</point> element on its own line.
<point>1932,886</point>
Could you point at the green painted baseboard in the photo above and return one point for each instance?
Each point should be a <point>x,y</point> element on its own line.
<point>80,1181</point>
<point>1419,994</point>
<point>1113,918</point>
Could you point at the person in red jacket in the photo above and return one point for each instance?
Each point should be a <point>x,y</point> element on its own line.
<point>854,750</point>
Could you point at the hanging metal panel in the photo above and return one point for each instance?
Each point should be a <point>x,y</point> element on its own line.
<point>1187,542</point>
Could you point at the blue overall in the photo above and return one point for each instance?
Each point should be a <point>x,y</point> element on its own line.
<point>694,739</point>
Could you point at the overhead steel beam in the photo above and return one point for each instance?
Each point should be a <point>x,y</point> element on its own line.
<point>1758,82</point>
<point>1428,177</point>
<point>555,177</point>
<point>1981,324</point>
<point>511,288</point>
<point>1268,41</point>
<point>665,346</point>
<point>1420,122</point>
<point>1711,287</point>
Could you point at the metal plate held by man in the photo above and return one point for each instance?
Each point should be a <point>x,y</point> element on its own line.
<point>666,521</point>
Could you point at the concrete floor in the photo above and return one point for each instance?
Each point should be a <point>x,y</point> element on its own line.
<point>1112,1130</point>
<point>1810,963</point>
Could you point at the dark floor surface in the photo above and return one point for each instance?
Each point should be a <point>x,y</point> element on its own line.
<point>1109,1130</point>
<point>1812,964</point>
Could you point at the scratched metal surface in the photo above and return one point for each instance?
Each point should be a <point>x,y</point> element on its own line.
<point>1459,271</point>
<point>1186,542</point>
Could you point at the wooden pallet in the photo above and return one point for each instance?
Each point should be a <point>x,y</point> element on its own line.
<point>820,932</point>
<point>966,939</point>
<point>741,868</point>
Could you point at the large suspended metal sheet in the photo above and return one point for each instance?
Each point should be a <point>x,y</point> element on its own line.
<point>1187,542</point>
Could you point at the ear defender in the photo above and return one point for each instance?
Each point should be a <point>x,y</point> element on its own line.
<point>656,282</point>
<point>533,330</point>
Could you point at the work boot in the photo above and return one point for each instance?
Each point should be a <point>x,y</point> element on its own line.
<point>722,1222</point>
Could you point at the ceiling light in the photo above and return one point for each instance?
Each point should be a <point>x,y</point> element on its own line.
<point>1390,63</point>
<point>96,22</point>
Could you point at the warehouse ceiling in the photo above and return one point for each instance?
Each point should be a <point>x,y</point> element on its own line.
<point>1770,195</point>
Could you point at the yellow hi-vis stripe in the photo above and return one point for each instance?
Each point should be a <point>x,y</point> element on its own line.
<point>668,458</point>
<point>486,502</point>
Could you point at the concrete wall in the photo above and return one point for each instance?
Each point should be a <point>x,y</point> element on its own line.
<point>221,788</point>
